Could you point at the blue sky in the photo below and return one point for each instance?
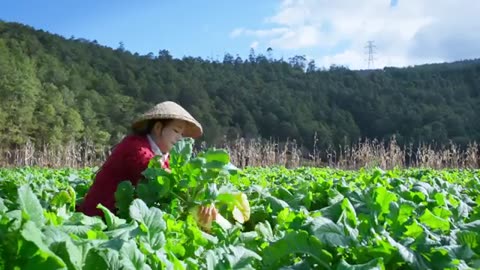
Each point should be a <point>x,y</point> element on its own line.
<point>195,28</point>
<point>405,32</point>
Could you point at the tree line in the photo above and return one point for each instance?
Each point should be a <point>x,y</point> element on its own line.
<point>55,89</point>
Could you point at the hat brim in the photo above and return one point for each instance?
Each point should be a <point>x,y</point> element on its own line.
<point>169,110</point>
<point>192,129</point>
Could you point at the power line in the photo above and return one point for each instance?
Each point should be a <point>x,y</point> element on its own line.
<point>371,51</point>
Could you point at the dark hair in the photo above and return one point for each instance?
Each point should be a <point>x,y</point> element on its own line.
<point>149,126</point>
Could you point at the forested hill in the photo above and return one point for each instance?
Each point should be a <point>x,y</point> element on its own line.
<point>54,89</point>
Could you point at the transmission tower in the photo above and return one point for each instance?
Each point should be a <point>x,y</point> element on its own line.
<point>371,51</point>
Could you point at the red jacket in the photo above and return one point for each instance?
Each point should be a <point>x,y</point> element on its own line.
<point>128,160</point>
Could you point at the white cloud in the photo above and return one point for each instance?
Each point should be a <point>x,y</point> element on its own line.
<point>258,33</point>
<point>412,32</point>
<point>237,32</point>
<point>254,45</point>
<point>302,37</point>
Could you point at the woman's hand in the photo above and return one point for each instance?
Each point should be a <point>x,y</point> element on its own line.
<point>207,214</point>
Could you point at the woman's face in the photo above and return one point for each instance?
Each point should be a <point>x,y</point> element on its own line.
<point>168,135</point>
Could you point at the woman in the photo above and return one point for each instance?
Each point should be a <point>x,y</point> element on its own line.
<point>154,134</point>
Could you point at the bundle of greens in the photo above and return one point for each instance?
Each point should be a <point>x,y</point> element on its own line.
<point>191,182</point>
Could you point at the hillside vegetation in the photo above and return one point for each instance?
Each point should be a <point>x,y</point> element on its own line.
<point>55,90</point>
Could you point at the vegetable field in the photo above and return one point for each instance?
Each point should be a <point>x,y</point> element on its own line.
<point>271,218</point>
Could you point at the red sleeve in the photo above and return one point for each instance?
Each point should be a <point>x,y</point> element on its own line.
<point>127,162</point>
<point>137,156</point>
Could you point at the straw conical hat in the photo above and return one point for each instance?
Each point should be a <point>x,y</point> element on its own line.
<point>170,110</point>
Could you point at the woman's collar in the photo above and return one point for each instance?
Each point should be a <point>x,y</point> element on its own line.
<point>156,150</point>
